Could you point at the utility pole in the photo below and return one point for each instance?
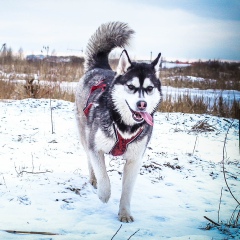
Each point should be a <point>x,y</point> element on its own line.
<point>46,48</point>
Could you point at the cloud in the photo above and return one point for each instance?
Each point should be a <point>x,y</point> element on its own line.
<point>179,29</point>
<point>222,9</point>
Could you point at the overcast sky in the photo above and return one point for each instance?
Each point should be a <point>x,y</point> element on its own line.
<point>180,29</point>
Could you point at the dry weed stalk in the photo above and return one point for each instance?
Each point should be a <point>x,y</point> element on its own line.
<point>32,88</point>
<point>223,162</point>
<point>30,232</point>
<point>202,126</point>
<point>119,230</point>
<point>232,222</point>
<point>116,232</point>
<point>21,171</point>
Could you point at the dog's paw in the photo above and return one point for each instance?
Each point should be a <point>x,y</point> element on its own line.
<point>104,195</point>
<point>124,215</point>
<point>126,218</point>
<point>104,191</point>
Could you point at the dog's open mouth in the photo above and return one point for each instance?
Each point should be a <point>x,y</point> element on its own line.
<point>137,116</point>
<point>140,116</point>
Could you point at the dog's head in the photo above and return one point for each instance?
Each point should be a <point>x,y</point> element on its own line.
<point>136,91</point>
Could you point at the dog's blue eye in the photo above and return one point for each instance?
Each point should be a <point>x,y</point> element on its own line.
<point>131,87</point>
<point>149,89</point>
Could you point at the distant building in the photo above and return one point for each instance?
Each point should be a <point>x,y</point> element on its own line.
<point>35,58</point>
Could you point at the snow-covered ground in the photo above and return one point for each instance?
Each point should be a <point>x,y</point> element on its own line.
<point>44,186</point>
<point>174,65</point>
<point>190,78</point>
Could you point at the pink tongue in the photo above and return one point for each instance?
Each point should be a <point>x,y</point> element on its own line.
<point>147,117</point>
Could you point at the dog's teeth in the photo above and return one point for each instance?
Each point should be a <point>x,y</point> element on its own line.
<point>137,116</point>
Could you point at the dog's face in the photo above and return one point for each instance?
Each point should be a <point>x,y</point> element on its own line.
<point>136,91</point>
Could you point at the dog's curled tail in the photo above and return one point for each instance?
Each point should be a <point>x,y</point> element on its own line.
<point>103,41</point>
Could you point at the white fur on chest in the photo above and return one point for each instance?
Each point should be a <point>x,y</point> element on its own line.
<point>104,143</point>
<point>136,149</point>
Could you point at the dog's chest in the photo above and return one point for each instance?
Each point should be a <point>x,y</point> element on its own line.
<point>118,144</point>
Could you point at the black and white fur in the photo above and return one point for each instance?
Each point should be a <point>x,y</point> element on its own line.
<point>131,97</point>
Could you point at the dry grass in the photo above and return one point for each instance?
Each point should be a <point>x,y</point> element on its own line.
<point>198,105</point>
<point>70,72</point>
<point>184,104</point>
<point>9,90</point>
<point>202,126</point>
<point>216,75</point>
<point>181,81</point>
<point>49,71</point>
<point>6,90</point>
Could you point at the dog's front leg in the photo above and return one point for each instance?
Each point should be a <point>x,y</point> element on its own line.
<point>130,173</point>
<point>103,183</point>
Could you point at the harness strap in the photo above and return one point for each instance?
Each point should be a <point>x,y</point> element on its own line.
<point>121,144</point>
<point>101,85</point>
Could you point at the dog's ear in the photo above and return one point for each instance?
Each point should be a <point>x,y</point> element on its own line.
<point>156,63</point>
<point>124,63</point>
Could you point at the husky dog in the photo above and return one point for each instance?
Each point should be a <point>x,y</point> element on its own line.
<point>115,110</point>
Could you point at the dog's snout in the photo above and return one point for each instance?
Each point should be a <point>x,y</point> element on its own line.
<point>141,105</point>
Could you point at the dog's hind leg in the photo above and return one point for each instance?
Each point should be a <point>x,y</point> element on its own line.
<point>130,173</point>
<point>98,173</point>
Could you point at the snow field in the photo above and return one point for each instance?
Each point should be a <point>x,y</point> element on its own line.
<point>44,178</point>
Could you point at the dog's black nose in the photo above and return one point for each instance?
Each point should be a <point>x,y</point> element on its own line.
<point>141,105</point>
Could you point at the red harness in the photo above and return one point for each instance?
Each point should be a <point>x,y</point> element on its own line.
<point>101,85</point>
<point>121,144</point>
